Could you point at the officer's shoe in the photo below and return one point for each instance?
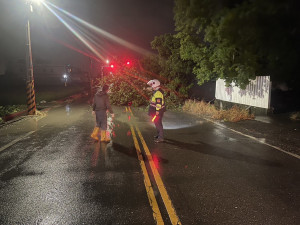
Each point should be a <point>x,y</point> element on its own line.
<point>155,137</point>
<point>158,140</point>
<point>94,135</point>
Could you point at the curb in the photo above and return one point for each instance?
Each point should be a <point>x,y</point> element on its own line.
<point>14,115</point>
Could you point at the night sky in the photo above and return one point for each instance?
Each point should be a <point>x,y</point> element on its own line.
<point>136,21</point>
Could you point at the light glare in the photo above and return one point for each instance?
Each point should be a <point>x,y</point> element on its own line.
<point>37,1</point>
<point>103,32</point>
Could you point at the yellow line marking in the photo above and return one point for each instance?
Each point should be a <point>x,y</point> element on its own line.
<point>161,187</point>
<point>151,197</point>
<point>16,140</point>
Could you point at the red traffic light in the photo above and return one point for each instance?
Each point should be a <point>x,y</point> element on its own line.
<point>128,63</point>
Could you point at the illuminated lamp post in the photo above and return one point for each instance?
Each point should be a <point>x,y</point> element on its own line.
<point>31,105</point>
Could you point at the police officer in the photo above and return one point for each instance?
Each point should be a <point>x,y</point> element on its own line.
<point>100,105</point>
<point>157,109</point>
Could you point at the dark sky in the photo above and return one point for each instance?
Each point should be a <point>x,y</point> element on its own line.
<point>136,21</point>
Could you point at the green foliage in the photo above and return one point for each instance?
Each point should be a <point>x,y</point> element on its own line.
<point>173,101</point>
<point>177,72</point>
<point>175,86</point>
<point>174,74</point>
<point>10,109</point>
<point>150,65</point>
<point>239,39</point>
<point>126,86</point>
<point>129,85</point>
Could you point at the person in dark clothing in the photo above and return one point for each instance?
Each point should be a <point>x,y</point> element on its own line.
<point>101,105</point>
<point>157,108</point>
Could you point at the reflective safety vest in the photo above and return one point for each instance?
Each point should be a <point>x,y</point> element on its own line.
<point>157,102</point>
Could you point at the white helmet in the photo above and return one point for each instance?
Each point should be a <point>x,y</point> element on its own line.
<point>154,83</point>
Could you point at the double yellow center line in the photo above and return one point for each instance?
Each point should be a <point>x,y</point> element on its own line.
<point>159,183</point>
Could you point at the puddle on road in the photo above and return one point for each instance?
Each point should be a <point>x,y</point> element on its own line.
<point>168,125</point>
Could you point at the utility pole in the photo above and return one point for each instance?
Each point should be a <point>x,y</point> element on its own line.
<point>31,105</point>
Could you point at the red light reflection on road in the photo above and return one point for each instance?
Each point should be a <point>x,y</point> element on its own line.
<point>155,161</point>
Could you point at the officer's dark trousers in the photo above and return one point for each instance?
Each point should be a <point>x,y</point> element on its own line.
<point>101,119</point>
<point>159,125</point>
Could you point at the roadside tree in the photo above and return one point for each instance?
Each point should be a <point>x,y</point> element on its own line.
<point>237,40</point>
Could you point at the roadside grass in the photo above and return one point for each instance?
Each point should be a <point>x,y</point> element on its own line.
<point>10,109</point>
<point>234,114</point>
<point>13,99</point>
<point>53,93</point>
<point>295,116</point>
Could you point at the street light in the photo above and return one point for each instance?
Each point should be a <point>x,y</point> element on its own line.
<point>65,76</point>
<point>108,65</point>
<point>31,105</point>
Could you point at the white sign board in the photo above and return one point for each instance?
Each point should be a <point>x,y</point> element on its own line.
<point>257,92</point>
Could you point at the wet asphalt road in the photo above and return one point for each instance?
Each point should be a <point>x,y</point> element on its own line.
<point>52,172</point>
